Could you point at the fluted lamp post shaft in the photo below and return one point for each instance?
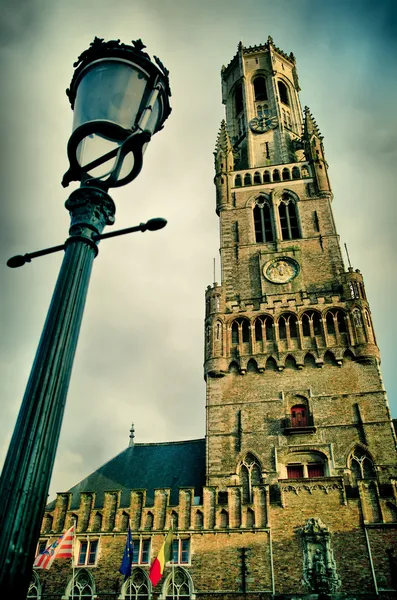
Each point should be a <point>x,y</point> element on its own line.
<point>28,466</point>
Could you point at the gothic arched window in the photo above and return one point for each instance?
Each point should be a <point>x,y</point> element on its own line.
<point>260,89</point>
<point>82,587</point>
<point>283,92</point>
<point>250,475</point>
<point>288,218</point>
<point>237,181</point>
<point>178,585</point>
<point>286,174</point>
<point>257,178</point>
<point>34,591</point>
<point>330,323</point>
<point>276,175</point>
<point>266,177</point>
<point>361,466</point>
<point>263,221</point>
<point>137,586</point>
<point>247,179</point>
<point>311,324</point>
<point>296,173</point>
<point>243,326</point>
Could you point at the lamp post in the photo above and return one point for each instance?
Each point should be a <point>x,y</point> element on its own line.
<point>120,99</point>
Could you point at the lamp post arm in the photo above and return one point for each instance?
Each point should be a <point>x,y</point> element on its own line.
<point>152,225</point>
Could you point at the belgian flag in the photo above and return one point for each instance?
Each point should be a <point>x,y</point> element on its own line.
<point>164,556</point>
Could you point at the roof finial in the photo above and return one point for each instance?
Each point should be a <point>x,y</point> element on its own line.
<point>132,435</point>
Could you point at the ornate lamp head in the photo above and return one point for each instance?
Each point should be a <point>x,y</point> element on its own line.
<point>120,98</point>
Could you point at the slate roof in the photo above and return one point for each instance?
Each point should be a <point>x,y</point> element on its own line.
<point>146,466</point>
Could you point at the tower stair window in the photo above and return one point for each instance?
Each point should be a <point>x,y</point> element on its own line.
<point>238,100</point>
<point>298,416</point>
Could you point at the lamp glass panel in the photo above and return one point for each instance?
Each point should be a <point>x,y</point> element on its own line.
<point>95,146</point>
<point>110,91</point>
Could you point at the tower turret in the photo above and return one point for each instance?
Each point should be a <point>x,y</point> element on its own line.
<point>314,151</point>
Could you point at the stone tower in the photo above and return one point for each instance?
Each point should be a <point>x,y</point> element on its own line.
<point>297,414</point>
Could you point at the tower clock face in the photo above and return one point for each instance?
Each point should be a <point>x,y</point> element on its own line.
<point>262,124</point>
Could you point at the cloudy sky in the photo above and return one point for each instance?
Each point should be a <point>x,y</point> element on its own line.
<point>140,351</point>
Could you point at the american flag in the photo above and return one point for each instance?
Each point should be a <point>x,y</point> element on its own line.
<point>61,548</point>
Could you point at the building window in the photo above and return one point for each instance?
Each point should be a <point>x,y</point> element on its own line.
<point>286,174</point>
<point>266,174</point>
<point>181,551</point>
<point>288,218</point>
<point>263,221</point>
<point>294,471</point>
<point>283,92</point>
<point>264,329</point>
<point>140,551</point>
<point>237,181</point>
<point>260,89</point>
<point>136,587</point>
<point>240,325</point>
<point>311,324</point>
<point>315,470</point>
<point>296,173</point>
<point>87,553</point>
<point>41,546</point>
<point>276,175</point>
<point>34,591</point>
<point>247,179</point>
<point>81,587</point>
<point>361,466</point>
<point>298,416</point>
<point>250,474</point>
<point>178,586</point>
<point>257,178</point>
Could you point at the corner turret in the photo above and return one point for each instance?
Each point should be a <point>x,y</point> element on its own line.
<point>314,151</point>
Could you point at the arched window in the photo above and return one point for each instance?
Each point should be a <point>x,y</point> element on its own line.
<point>174,520</point>
<point>34,591</point>
<point>82,587</point>
<point>124,518</point>
<point>97,522</point>
<point>264,327</point>
<point>235,333</point>
<point>361,466</point>
<point>311,324</point>
<point>330,323</point>
<point>178,585</point>
<point>258,330</point>
<point>263,221</point>
<point>299,415</point>
<point>47,525</point>
<point>266,177</point>
<point>243,326</point>
<point>136,587</point>
<point>237,181</point>
<point>286,174</point>
<point>295,173</point>
<point>283,92</point>
<point>260,89</point>
<point>223,519</point>
<point>341,321</point>
<point>293,326</point>
<point>250,518</point>
<point>288,218</point>
<point>282,328</point>
<point>238,100</point>
<point>149,521</point>
<point>257,178</point>
<point>247,179</point>
<point>250,475</point>
<point>199,520</point>
<point>276,175</point>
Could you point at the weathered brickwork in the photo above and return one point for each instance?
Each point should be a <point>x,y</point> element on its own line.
<point>300,496</point>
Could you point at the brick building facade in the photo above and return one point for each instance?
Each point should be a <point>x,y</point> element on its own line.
<point>293,491</point>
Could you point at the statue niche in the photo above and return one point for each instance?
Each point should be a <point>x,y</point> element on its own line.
<point>319,568</point>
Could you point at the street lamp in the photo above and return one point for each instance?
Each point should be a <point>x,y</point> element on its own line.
<point>120,99</point>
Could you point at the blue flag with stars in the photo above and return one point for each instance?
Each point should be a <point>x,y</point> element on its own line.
<point>126,563</point>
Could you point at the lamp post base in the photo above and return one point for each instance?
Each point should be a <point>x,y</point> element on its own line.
<point>28,466</point>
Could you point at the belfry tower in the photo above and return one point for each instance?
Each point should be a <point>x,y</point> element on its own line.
<point>297,415</point>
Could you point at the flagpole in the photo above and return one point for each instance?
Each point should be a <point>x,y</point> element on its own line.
<point>73,555</point>
<point>173,562</point>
